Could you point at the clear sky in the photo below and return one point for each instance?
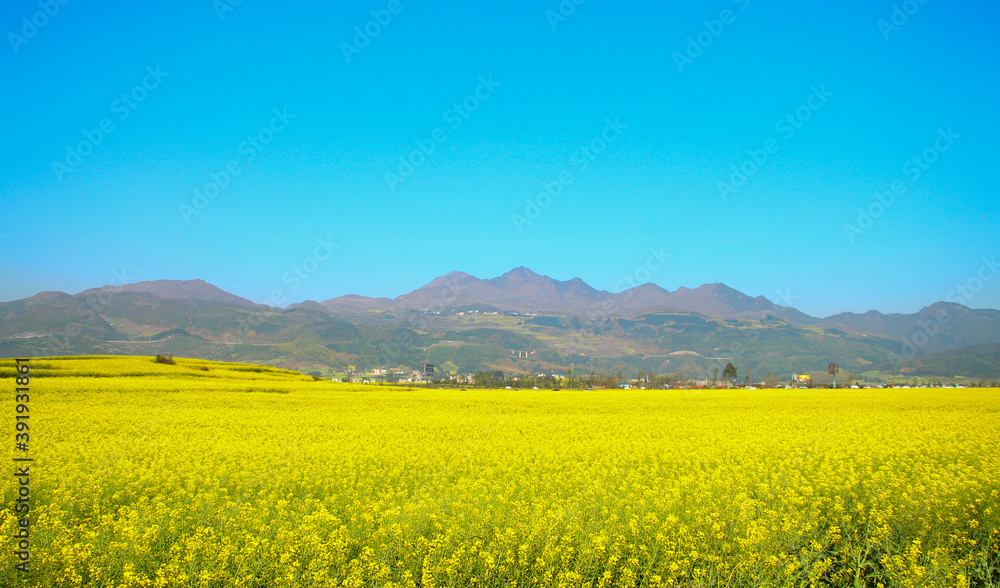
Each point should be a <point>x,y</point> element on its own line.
<point>224,141</point>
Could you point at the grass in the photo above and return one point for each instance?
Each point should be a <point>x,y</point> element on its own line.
<point>124,366</point>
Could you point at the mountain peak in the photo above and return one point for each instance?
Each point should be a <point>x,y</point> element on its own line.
<point>308,305</point>
<point>47,297</point>
<point>716,287</point>
<point>451,279</point>
<point>518,276</point>
<point>179,290</point>
<point>720,290</point>
<point>522,271</point>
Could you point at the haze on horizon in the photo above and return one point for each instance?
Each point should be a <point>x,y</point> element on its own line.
<point>831,158</point>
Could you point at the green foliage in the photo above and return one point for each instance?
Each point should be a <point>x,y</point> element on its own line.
<point>976,361</point>
<point>545,321</point>
<point>494,379</point>
<point>311,352</point>
<point>467,358</point>
<point>311,340</point>
<point>729,373</point>
<point>172,333</point>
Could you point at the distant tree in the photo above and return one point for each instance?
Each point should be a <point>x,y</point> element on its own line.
<point>715,375</point>
<point>770,380</point>
<point>729,373</point>
<point>493,379</point>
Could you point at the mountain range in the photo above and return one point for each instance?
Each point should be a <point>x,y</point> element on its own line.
<point>521,289</point>
<point>518,322</point>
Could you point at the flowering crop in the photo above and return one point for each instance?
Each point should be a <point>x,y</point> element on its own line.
<point>177,476</point>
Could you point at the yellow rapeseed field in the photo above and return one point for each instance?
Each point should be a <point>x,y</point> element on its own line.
<point>147,474</point>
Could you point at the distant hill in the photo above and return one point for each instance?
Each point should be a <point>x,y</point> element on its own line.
<point>521,322</point>
<point>521,289</point>
<point>518,289</point>
<point>179,290</point>
<point>940,326</point>
<point>716,300</point>
<point>355,303</point>
<point>975,361</point>
<point>52,314</point>
<point>310,305</point>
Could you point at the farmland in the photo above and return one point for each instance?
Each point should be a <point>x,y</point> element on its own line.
<point>210,474</point>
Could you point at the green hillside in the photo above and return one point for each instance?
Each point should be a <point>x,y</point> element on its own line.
<point>463,340</point>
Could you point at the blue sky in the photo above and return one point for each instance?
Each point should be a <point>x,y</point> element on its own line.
<point>119,119</point>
